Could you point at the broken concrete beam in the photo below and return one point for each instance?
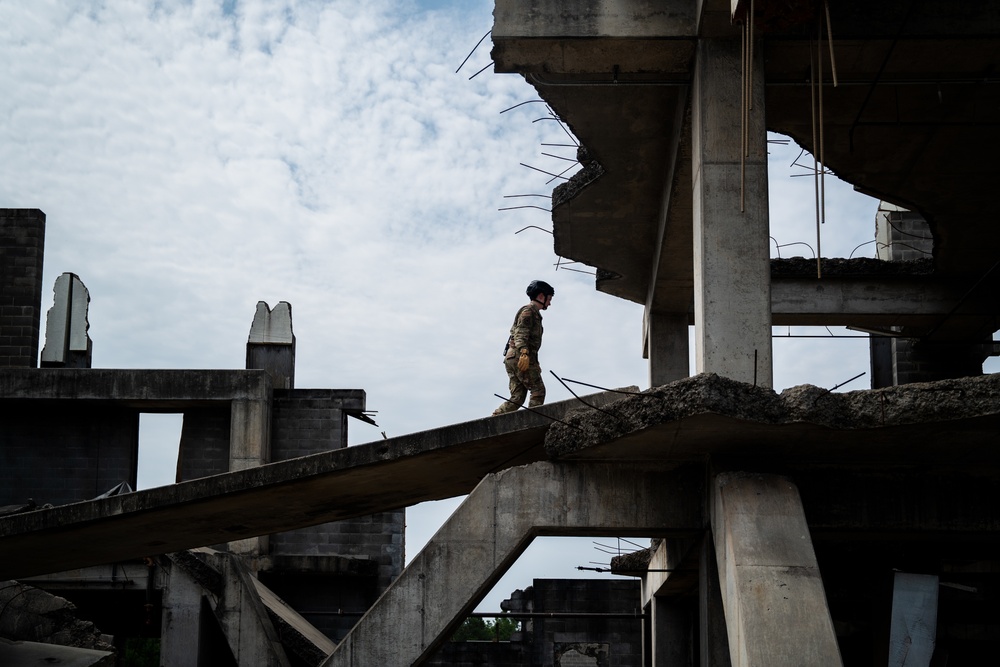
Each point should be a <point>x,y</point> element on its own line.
<point>67,343</point>
<point>271,344</point>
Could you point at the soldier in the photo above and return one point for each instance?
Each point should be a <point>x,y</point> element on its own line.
<point>521,353</point>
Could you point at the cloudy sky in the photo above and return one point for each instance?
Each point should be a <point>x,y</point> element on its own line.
<point>195,157</point>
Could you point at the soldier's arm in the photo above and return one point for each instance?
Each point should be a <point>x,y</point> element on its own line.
<point>522,329</point>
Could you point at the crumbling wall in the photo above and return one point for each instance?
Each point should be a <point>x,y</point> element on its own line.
<point>22,249</point>
<point>31,614</point>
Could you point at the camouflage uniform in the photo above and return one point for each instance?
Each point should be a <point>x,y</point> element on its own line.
<point>526,332</point>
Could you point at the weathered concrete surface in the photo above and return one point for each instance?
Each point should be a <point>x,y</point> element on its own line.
<point>144,388</point>
<point>732,269</point>
<point>30,654</point>
<point>708,415</point>
<point>776,609</point>
<point>340,484</point>
<point>494,525</point>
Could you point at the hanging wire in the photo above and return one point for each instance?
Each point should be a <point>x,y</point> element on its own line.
<point>488,65</point>
<point>560,157</point>
<point>473,51</point>
<point>778,246</point>
<point>812,100</point>
<point>512,208</point>
<point>589,273</point>
<point>547,173</point>
<point>589,405</point>
<point>861,245</point>
<point>829,39</point>
<point>525,407</point>
<point>521,104</point>
<point>888,221</point>
<point>532,227</point>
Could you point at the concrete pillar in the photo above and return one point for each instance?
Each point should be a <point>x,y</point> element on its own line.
<point>671,625</point>
<point>713,638</point>
<point>245,621</point>
<point>271,344</point>
<point>732,270</point>
<point>249,447</point>
<point>180,627</point>
<point>913,628</point>
<point>67,343</point>
<point>776,609</point>
<point>667,347</point>
<point>22,249</point>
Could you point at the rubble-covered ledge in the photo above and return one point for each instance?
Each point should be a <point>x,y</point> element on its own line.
<point>954,420</point>
<point>858,267</point>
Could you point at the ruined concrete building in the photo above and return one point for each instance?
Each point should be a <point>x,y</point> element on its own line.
<point>801,528</point>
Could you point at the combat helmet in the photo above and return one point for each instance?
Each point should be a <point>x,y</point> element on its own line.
<point>536,287</point>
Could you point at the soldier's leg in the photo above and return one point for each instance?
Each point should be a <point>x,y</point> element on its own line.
<point>532,379</point>
<point>518,392</point>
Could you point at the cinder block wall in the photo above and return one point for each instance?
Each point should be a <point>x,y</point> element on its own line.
<point>309,421</point>
<point>306,421</point>
<point>921,361</point>
<point>22,249</point>
<point>558,635</point>
<point>204,445</point>
<point>64,451</point>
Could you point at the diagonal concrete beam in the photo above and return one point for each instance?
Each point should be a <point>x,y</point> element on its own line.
<point>772,592</point>
<point>494,525</point>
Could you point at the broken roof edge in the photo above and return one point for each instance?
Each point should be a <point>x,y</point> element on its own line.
<point>711,394</point>
<point>837,267</point>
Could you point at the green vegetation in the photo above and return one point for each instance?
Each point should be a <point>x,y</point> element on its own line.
<point>141,652</point>
<point>476,629</point>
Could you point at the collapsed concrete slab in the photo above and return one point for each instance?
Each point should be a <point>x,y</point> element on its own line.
<point>314,489</point>
<point>709,415</point>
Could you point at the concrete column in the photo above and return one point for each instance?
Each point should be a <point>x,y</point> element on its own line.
<point>776,609</point>
<point>249,434</point>
<point>913,628</point>
<point>245,622</point>
<point>713,638</point>
<point>249,447</point>
<point>667,347</point>
<point>732,270</point>
<point>180,628</point>
<point>671,632</point>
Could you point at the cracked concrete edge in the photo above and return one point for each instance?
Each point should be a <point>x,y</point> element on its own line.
<point>708,393</point>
